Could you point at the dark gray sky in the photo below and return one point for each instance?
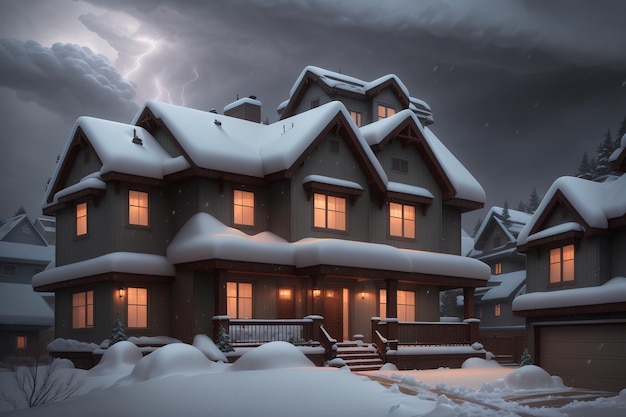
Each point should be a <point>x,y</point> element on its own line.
<point>519,89</point>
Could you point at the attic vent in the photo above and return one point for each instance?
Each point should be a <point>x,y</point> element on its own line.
<point>136,139</point>
<point>217,122</point>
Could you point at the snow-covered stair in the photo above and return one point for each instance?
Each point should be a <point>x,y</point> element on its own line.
<point>359,356</point>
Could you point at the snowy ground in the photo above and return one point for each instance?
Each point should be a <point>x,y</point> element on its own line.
<point>278,380</point>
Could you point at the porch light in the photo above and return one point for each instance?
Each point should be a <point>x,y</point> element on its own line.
<point>284,294</point>
<point>121,292</point>
<point>363,295</point>
<point>317,292</point>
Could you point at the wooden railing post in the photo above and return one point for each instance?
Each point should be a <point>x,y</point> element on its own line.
<point>473,325</point>
<point>392,333</point>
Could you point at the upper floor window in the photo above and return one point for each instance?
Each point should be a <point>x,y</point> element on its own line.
<point>82,310</point>
<point>243,208</point>
<point>385,111</point>
<point>562,264</point>
<point>357,117</point>
<point>315,103</point>
<point>21,342</point>
<point>497,269</point>
<point>239,300</point>
<point>138,208</point>
<point>496,310</point>
<point>329,212</point>
<point>400,165</point>
<point>402,220</point>
<point>405,306</point>
<point>137,307</point>
<point>81,219</point>
<point>334,147</point>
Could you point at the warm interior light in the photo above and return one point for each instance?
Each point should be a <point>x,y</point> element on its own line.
<point>121,292</point>
<point>317,292</point>
<point>362,295</point>
<point>285,294</point>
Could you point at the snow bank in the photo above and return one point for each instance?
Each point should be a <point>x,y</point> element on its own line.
<point>273,355</point>
<point>532,377</point>
<point>174,359</point>
<point>205,345</point>
<point>474,363</point>
<point>70,345</point>
<point>121,357</point>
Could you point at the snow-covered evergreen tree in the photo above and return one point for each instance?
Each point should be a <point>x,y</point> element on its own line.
<point>119,333</point>
<point>534,201</point>
<point>506,216</point>
<point>584,169</point>
<point>526,359</point>
<point>604,152</point>
<point>223,340</point>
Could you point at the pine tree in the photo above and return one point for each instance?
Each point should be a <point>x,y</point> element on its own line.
<point>526,359</point>
<point>506,216</point>
<point>584,169</point>
<point>605,149</point>
<point>620,132</point>
<point>223,340</point>
<point>119,333</point>
<point>533,203</point>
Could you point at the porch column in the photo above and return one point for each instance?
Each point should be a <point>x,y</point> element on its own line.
<point>468,302</point>
<point>221,303</point>
<point>392,310</point>
<point>392,298</point>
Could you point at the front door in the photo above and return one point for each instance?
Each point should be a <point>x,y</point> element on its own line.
<point>332,310</point>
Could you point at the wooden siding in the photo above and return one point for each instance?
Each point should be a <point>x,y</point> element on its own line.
<point>429,226</point>
<point>343,166</point>
<point>617,251</point>
<point>279,195</point>
<point>451,231</point>
<point>86,163</point>
<point>313,92</point>
<point>166,142</point>
<point>387,98</point>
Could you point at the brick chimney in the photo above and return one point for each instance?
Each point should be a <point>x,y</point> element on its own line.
<point>248,108</point>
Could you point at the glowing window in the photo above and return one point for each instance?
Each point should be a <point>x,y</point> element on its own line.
<point>138,208</point>
<point>385,111</point>
<point>81,219</point>
<point>82,310</point>
<point>406,305</point>
<point>239,300</point>
<point>496,310</point>
<point>497,269</point>
<point>402,220</point>
<point>137,307</point>
<point>21,342</point>
<point>243,208</point>
<point>356,117</point>
<point>329,212</point>
<point>562,264</point>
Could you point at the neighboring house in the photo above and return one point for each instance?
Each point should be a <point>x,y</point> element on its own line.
<point>48,228</point>
<point>575,306</point>
<point>495,243</point>
<point>184,216</point>
<point>24,314</point>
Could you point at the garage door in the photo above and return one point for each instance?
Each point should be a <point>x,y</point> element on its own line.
<point>586,356</point>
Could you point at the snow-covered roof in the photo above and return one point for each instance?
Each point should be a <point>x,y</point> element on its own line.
<point>594,202</point>
<point>617,152</point>
<point>204,237</point>
<point>467,243</point>
<point>123,262</point>
<point>22,252</point>
<point>7,225</point>
<point>517,221</point>
<point>503,286</point>
<point>613,291</point>
<point>464,183</point>
<point>20,305</point>
<point>245,100</point>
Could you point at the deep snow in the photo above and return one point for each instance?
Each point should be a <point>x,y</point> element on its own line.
<point>276,379</point>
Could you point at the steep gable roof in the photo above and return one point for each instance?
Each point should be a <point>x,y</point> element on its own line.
<point>458,185</point>
<point>618,157</point>
<point>595,206</point>
<point>332,81</point>
<point>20,230</point>
<point>495,218</point>
<point>225,144</point>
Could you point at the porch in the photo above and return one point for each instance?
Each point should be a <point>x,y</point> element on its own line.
<point>408,345</point>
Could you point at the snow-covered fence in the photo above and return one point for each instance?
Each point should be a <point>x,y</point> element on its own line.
<point>259,331</point>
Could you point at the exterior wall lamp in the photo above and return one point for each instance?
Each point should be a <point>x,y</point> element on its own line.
<point>363,295</point>
<point>121,292</point>
<point>317,292</point>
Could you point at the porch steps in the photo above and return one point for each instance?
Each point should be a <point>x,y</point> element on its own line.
<point>359,356</point>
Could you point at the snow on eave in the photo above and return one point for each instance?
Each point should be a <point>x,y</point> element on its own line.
<point>23,252</point>
<point>495,212</point>
<point>594,202</point>
<point>399,187</point>
<point>332,181</point>
<point>122,262</point>
<point>204,237</point>
<point>613,291</point>
<point>20,305</point>
<point>507,284</point>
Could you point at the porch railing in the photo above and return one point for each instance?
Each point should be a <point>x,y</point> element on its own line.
<point>389,333</point>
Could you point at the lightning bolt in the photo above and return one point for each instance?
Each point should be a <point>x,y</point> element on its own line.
<point>140,57</point>
<point>182,91</point>
<point>161,90</point>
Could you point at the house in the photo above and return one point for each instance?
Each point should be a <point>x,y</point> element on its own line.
<point>184,220</point>
<point>495,243</point>
<point>24,314</point>
<point>575,306</point>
